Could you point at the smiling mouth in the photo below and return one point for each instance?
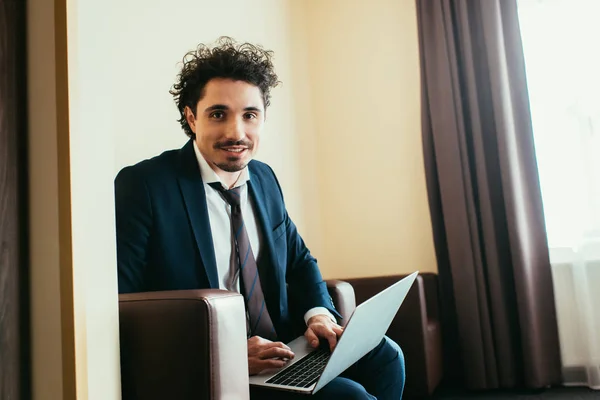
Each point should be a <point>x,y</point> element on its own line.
<point>235,150</point>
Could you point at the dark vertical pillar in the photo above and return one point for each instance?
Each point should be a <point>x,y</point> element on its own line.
<point>14,304</point>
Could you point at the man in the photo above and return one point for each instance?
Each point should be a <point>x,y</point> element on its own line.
<point>208,216</point>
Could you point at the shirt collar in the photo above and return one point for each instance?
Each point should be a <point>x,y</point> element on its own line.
<point>210,176</point>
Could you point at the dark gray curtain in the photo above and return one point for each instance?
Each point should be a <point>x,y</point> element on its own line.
<point>497,296</point>
<point>14,340</point>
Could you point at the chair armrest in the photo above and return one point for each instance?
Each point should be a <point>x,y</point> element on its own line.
<point>430,286</point>
<point>342,294</point>
<point>415,328</point>
<point>410,322</point>
<point>183,344</point>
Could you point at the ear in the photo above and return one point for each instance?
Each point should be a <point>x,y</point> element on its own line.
<point>190,118</point>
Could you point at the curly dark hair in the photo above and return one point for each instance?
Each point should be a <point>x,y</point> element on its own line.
<point>227,59</point>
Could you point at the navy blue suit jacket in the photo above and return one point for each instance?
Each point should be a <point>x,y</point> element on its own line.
<point>164,239</point>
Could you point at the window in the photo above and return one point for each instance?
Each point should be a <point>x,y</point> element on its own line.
<point>561,41</point>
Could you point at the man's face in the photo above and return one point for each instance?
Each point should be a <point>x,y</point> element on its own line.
<point>228,122</point>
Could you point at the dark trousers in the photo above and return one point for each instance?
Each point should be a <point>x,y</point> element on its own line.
<point>378,375</point>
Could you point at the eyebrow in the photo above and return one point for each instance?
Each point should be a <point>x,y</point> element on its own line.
<point>223,107</point>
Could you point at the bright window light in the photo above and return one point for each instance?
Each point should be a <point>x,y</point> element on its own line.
<point>561,41</point>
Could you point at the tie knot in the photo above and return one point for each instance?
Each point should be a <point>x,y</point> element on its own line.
<point>232,196</point>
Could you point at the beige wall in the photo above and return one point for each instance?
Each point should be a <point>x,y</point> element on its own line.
<point>364,71</point>
<point>92,143</point>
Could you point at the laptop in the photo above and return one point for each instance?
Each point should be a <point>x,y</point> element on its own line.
<point>313,368</point>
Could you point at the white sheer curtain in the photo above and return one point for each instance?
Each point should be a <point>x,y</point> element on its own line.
<point>561,41</point>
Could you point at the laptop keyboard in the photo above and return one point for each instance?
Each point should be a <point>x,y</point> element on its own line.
<point>305,372</point>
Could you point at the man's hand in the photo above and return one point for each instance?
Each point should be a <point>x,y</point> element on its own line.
<point>264,354</point>
<point>321,326</point>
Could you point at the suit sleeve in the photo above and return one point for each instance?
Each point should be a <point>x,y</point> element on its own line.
<point>133,211</point>
<point>306,287</point>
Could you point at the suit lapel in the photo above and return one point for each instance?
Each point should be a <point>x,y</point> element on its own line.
<point>194,196</point>
<point>268,271</point>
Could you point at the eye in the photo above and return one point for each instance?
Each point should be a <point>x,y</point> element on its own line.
<point>250,116</point>
<point>217,115</point>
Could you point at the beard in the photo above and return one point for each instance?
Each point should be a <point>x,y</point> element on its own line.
<point>234,164</point>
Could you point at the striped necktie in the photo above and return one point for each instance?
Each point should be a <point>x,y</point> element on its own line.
<point>259,320</point>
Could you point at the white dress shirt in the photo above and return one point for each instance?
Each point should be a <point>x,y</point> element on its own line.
<point>219,215</point>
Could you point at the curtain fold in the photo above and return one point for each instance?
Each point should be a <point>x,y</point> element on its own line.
<point>484,196</point>
<point>14,315</point>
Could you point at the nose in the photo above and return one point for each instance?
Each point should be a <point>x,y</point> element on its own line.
<point>235,130</point>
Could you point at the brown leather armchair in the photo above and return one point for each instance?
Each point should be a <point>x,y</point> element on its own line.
<point>191,344</point>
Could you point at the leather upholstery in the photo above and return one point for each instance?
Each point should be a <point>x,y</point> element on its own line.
<point>191,344</point>
<point>183,345</point>
<point>416,328</point>
<point>342,295</point>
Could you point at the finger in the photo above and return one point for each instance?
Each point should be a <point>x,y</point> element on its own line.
<point>311,337</point>
<point>338,330</point>
<point>326,332</point>
<point>259,348</point>
<point>276,352</point>
<point>285,346</point>
<point>276,344</point>
<point>256,365</point>
<point>274,363</point>
<point>270,363</point>
<point>331,338</point>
